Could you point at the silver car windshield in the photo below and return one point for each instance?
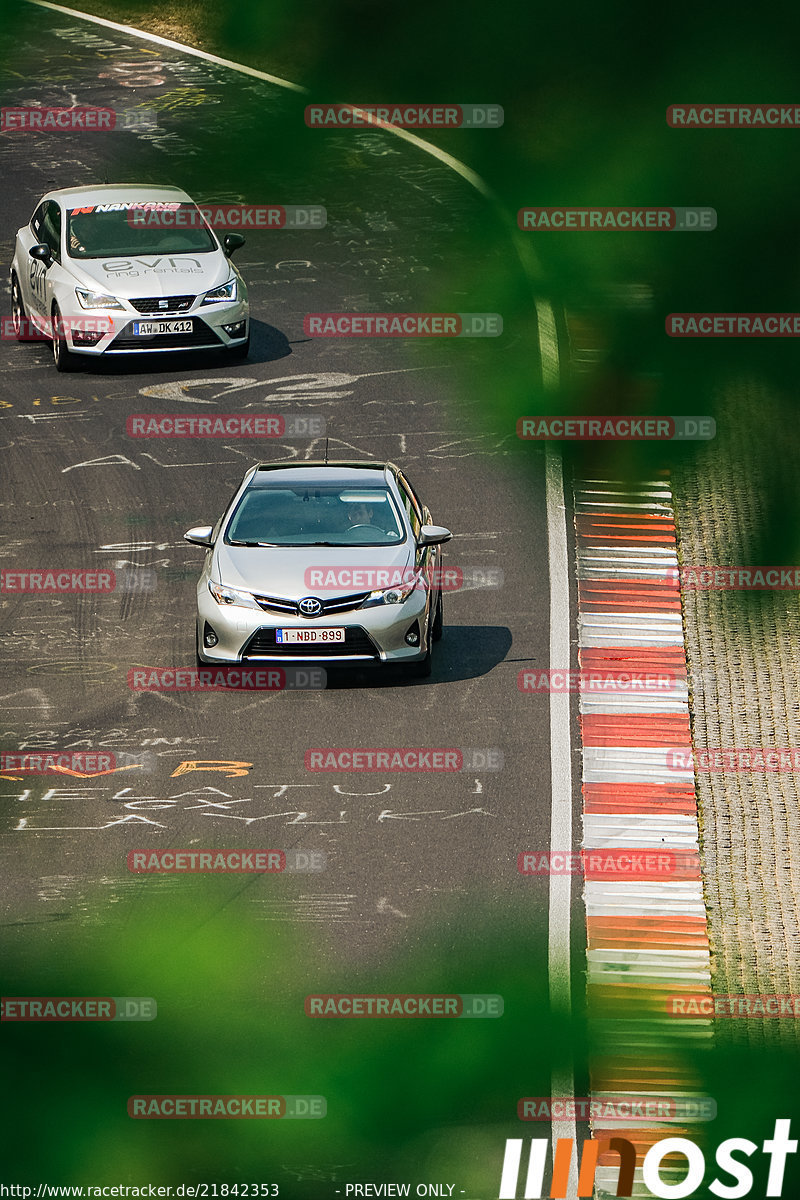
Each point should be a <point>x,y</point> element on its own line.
<point>311,515</point>
<point>104,234</point>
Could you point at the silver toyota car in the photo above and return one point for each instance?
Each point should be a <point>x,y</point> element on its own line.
<point>328,563</point>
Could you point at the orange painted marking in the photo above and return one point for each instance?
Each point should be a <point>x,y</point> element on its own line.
<point>621,933</point>
<point>628,538</point>
<point>231,768</point>
<point>600,604</point>
<point>633,657</point>
<point>633,587</point>
<point>638,798</point>
<point>667,729</point>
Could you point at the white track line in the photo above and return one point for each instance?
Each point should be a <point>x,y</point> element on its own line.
<point>548,344</point>
<point>160,41</point>
<point>560,899</point>
<point>455,164</point>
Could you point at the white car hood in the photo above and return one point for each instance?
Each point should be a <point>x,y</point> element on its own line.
<point>281,570</point>
<point>180,274</point>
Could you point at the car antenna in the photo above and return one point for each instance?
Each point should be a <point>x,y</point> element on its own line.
<point>326,452</point>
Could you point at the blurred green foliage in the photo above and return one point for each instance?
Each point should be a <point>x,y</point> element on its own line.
<point>408,1099</point>
<point>585,90</point>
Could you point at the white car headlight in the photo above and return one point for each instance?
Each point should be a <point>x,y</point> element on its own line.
<point>227,596</point>
<point>228,291</point>
<point>393,595</point>
<point>89,299</point>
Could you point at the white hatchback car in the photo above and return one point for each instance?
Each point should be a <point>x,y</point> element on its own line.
<point>118,269</point>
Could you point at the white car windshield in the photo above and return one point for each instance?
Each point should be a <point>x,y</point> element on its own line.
<point>93,234</point>
<point>311,515</point>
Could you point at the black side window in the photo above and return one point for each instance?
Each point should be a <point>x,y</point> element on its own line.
<point>37,219</point>
<point>51,228</point>
<point>410,505</point>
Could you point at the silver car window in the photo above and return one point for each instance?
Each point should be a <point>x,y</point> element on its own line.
<point>306,515</point>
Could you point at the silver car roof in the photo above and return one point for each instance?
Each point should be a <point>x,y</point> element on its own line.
<point>321,472</point>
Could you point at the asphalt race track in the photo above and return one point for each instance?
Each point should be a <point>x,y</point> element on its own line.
<point>80,493</point>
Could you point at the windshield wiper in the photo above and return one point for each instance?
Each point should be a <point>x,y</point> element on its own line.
<point>235,543</point>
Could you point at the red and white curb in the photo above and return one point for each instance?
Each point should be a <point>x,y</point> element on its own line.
<point>646,937</point>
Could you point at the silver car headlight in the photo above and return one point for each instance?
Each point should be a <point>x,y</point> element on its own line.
<point>228,291</point>
<point>89,299</point>
<point>228,596</point>
<point>392,595</point>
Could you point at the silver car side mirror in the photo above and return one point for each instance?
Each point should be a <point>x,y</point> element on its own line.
<point>199,536</point>
<point>433,535</point>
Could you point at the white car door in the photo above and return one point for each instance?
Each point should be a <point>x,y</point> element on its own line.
<point>57,282</point>
<point>31,272</point>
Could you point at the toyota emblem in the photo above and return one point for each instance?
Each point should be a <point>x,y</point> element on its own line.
<point>309,606</point>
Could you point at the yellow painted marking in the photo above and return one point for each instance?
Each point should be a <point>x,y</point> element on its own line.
<point>230,767</point>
